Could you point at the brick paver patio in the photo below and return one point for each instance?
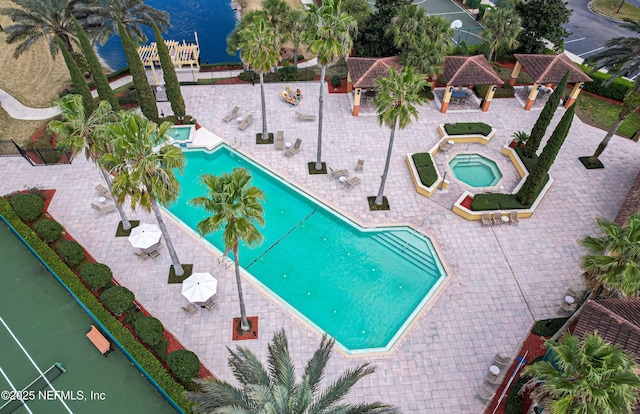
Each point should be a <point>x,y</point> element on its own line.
<point>501,279</point>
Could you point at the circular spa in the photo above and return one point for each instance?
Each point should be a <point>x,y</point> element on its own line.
<point>475,170</point>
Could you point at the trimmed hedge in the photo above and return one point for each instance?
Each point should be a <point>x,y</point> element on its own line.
<point>514,401</point>
<point>504,91</point>
<point>97,275</point>
<point>48,230</point>
<point>118,299</point>
<point>27,206</point>
<point>548,327</point>
<point>142,355</point>
<point>301,75</point>
<point>149,329</point>
<point>618,89</point>
<point>426,169</point>
<point>467,128</point>
<point>71,252</point>
<point>185,364</point>
<point>495,201</point>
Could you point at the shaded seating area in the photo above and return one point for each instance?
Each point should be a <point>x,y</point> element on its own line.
<point>362,74</point>
<point>548,70</point>
<point>461,71</point>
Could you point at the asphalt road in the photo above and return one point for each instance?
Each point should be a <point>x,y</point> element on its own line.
<point>589,31</point>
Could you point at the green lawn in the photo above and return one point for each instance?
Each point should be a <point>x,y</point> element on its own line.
<point>602,114</point>
<point>609,8</point>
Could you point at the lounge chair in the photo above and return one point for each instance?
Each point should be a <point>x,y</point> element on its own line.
<point>339,173</point>
<point>142,255</point>
<point>349,184</point>
<point>486,394</point>
<point>103,209</point>
<point>445,144</point>
<point>497,218</point>
<point>280,140</point>
<point>501,361</point>
<point>231,114</point>
<point>211,303</point>
<point>305,117</point>
<point>190,308</point>
<point>493,379</point>
<point>244,124</point>
<point>359,165</point>
<point>103,191</point>
<point>154,254</point>
<point>567,309</point>
<point>514,217</point>
<point>486,218</point>
<point>295,149</point>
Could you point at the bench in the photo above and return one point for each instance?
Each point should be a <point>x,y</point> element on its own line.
<point>305,117</point>
<point>99,341</point>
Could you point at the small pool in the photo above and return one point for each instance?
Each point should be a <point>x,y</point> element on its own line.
<point>180,134</point>
<point>475,170</point>
<point>362,286</point>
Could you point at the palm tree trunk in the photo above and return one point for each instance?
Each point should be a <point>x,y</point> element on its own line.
<point>386,164</point>
<point>264,109</point>
<point>126,225</point>
<point>177,267</point>
<point>605,141</point>
<point>323,72</point>
<point>67,43</point>
<point>295,57</point>
<point>491,54</point>
<point>244,323</point>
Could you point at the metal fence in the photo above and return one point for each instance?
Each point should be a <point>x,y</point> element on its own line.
<point>36,156</point>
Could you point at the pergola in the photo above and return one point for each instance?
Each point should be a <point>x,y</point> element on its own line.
<point>181,54</point>
<point>469,71</point>
<point>362,73</point>
<point>549,70</point>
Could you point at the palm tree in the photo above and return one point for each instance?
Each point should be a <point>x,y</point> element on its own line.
<point>613,260</point>
<point>260,51</point>
<point>330,38</point>
<point>101,18</point>
<point>34,20</point>
<point>273,389</point>
<point>395,103</point>
<point>147,176</point>
<point>237,207</point>
<point>426,56</point>
<point>502,28</point>
<point>592,377</point>
<point>620,52</point>
<point>630,104</point>
<point>293,30</point>
<point>407,27</point>
<point>77,133</point>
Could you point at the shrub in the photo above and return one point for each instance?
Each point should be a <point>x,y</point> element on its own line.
<point>483,202</point>
<point>504,91</point>
<point>161,348</point>
<point>248,75</point>
<point>118,299</point>
<point>149,329</point>
<point>618,89</point>
<point>27,206</point>
<point>426,92</point>
<point>287,73</point>
<point>48,230</point>
<point>514,401</point>
<point>185,364</point>
<point>97,275</point>
<point>71,252</point>
<point>548,327</point>
<point>473,4</point>
<point>466,128</point>
<point>426,169</point>
<point>335,81</point>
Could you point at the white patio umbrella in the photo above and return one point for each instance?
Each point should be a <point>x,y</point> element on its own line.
<point>199,287</point>
<point>145,236</point>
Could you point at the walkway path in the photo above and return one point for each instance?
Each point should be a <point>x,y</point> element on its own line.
<point>500,278</point>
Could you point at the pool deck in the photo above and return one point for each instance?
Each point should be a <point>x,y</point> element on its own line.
<point>501,278</point>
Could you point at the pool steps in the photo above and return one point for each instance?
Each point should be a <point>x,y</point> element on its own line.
<point>416,256</point>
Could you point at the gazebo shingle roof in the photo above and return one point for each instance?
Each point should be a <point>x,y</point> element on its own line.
<point>365,71</point>
<point>469,70</point>
<point>551,68</point>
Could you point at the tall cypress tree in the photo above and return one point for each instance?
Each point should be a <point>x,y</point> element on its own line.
<point>171,82</point>
<point>143,90</point>
<point>78,80</point>
<point>541,125</point>
<point>531,188</point>
<point>102,83</point>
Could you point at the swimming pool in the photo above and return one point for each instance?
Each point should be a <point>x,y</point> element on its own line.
<point>179,134</point>
<point>475,170</point>
<point>362,286</point>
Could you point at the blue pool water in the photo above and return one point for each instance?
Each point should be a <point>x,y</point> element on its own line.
<point>361,286</point>
<point>213,20</point>
<point>475,170</point>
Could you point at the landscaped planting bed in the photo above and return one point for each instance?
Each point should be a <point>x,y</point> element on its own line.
<point>426,169</point>
<point>468,128</point>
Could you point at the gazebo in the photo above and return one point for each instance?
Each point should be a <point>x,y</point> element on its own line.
<point>549,70</point>
<point>362,73</point>
<point>181,54</point>
<point>468,71</point>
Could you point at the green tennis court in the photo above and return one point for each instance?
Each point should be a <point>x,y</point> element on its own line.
<point>41,325</point>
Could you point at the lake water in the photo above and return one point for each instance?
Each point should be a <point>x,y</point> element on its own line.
<point>213,20</point>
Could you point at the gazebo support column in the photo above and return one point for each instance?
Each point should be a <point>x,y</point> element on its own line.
<point>487,99</point>
<point>514,73</point>
<point>356,101</point>
<point>574,94</point>
<point>155,76</point>
<point>349,83</point>
<point>532,96</point>
<point>446,99</point>
<point>433,81</point>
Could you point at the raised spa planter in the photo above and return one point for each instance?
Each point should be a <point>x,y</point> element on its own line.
<point>421,188</point>
<point>477,138</point>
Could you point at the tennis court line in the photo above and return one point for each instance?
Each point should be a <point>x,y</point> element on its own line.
<point>442,14</point>
<point>35,366</point>
<point>24,403</point>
